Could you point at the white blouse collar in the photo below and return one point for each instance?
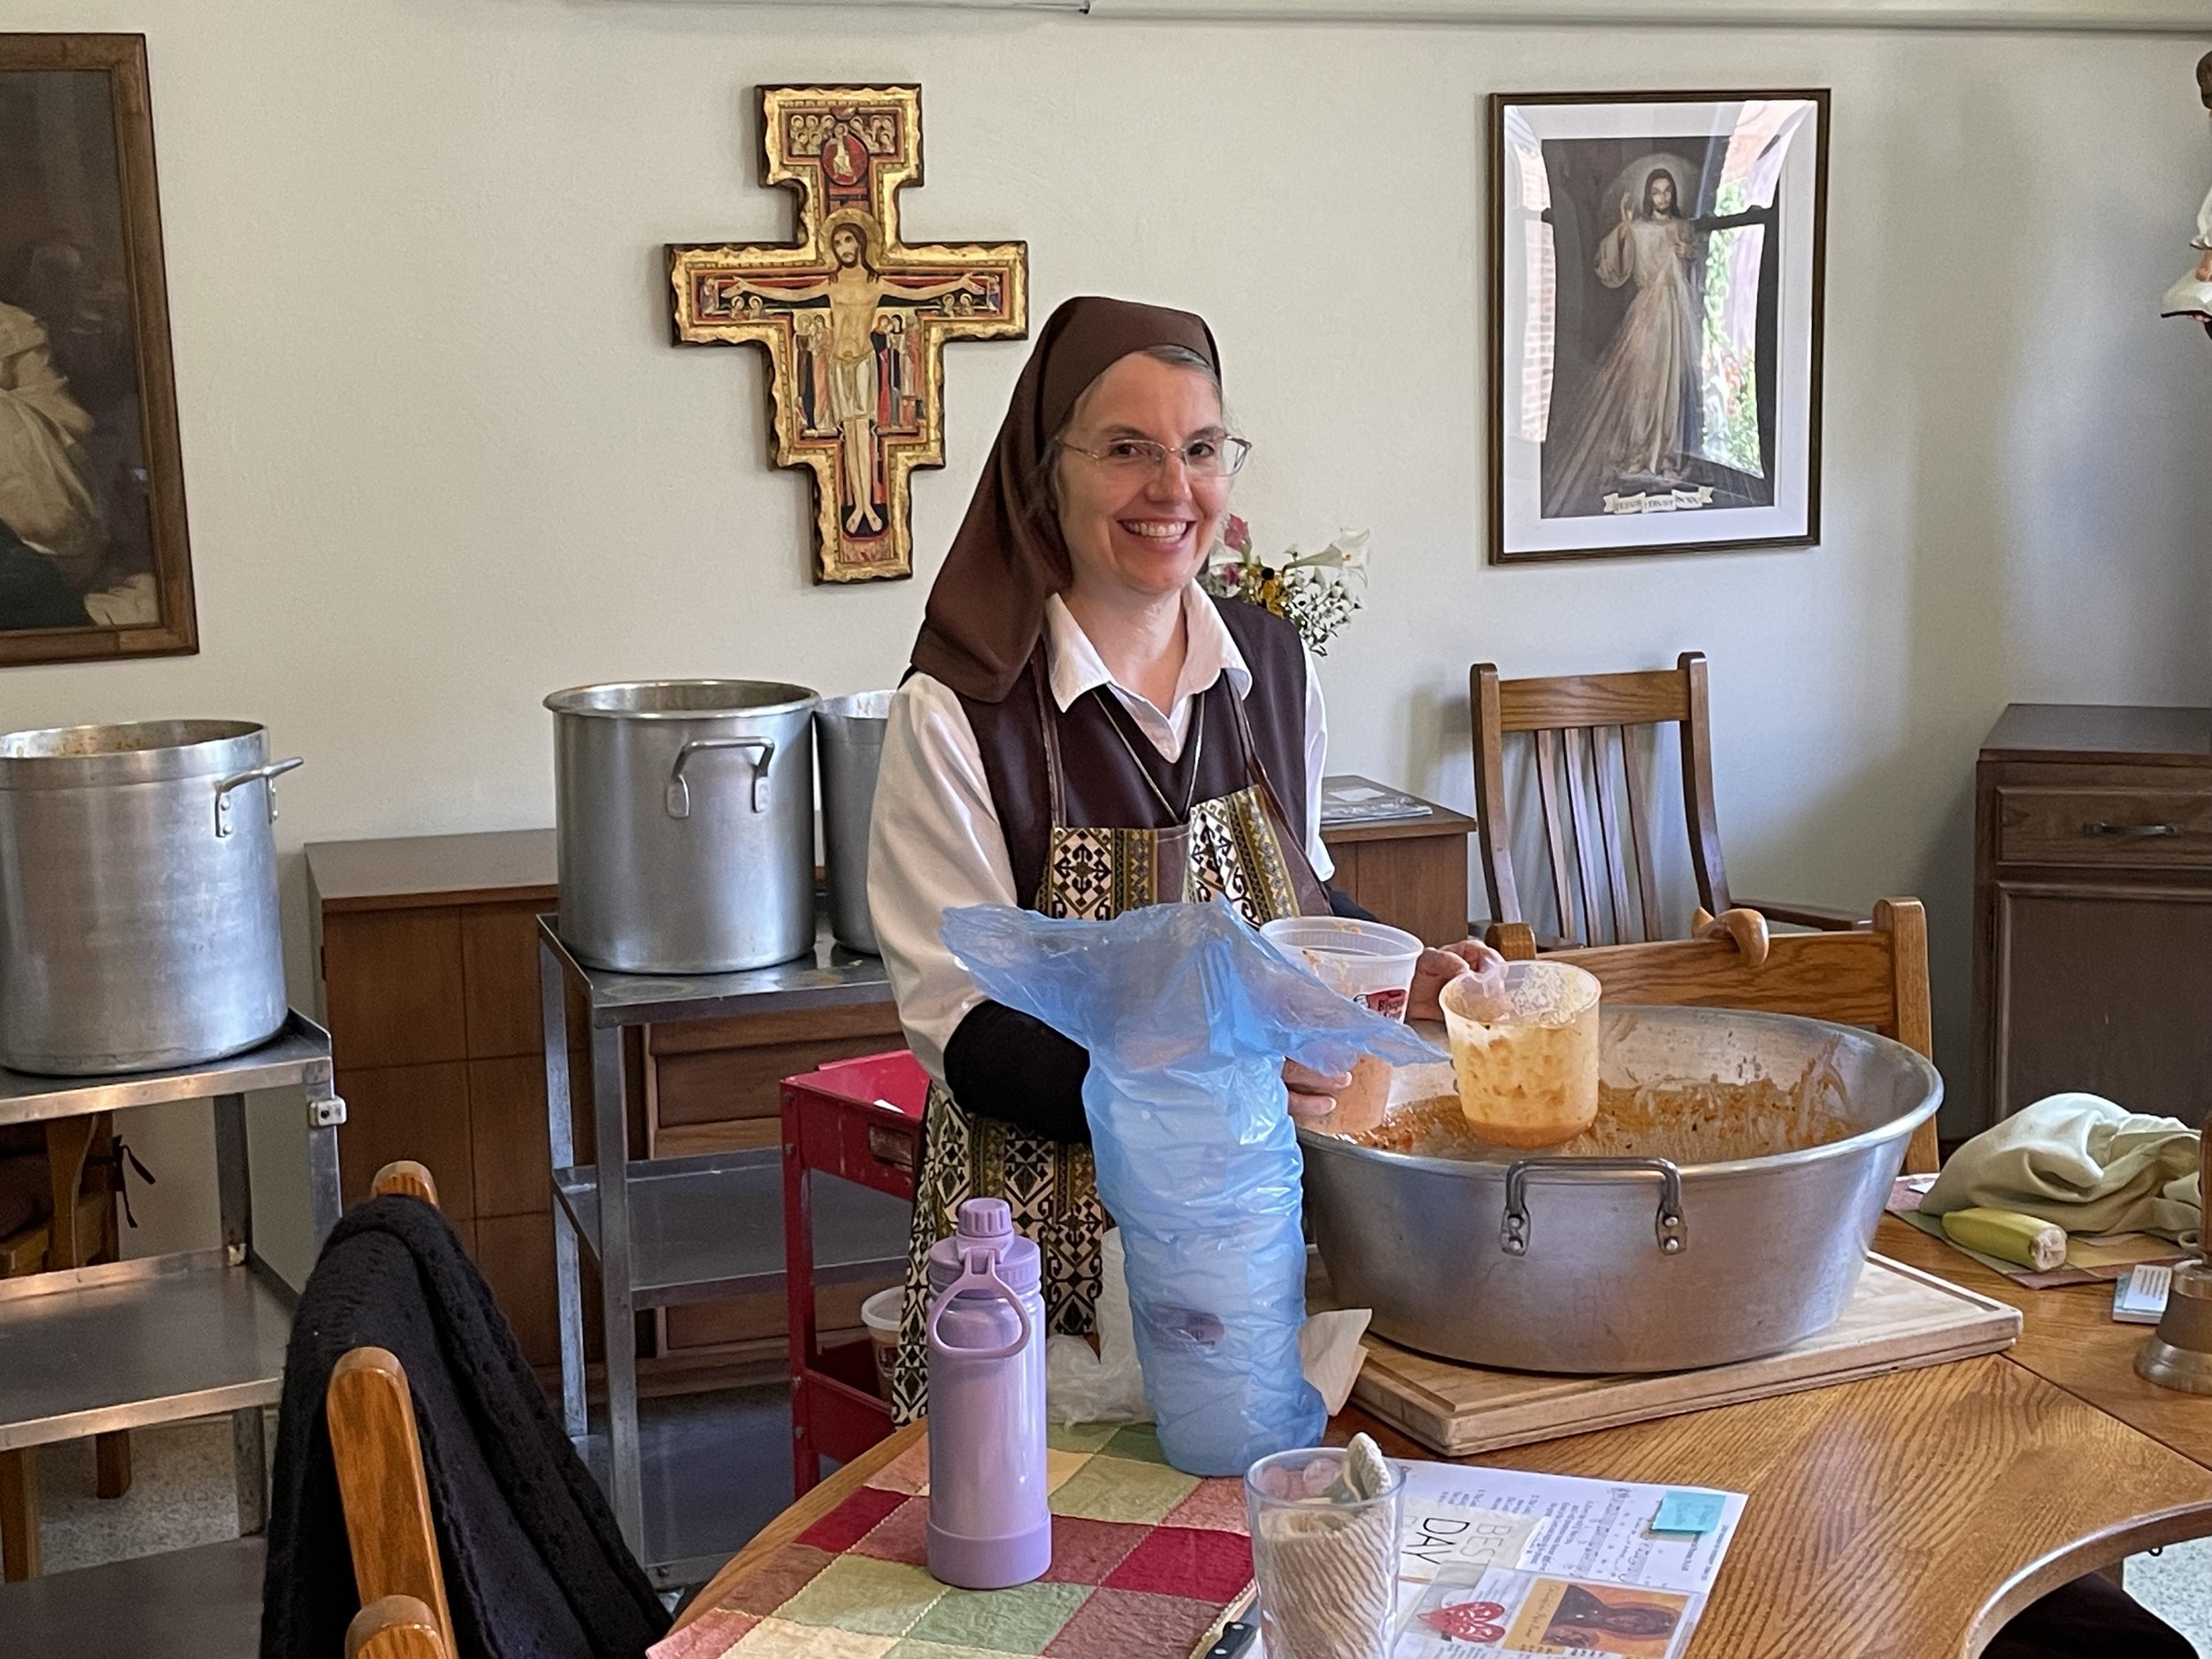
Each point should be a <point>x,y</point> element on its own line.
<point>1209,653</point>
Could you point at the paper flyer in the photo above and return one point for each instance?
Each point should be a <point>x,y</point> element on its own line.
<point>1495,1562</point>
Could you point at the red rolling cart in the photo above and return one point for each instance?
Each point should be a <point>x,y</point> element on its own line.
<point>859,1120</point>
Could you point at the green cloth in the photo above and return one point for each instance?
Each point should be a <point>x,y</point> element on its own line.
<point>2082,1162</point>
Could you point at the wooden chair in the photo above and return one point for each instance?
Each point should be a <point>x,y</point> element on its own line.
<point>1874,978</point>
<point>1595,737</point>
<point>80,1228</point>
<point>378,1455</point>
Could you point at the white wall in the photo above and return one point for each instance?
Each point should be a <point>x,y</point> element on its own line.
<point>442,459</point>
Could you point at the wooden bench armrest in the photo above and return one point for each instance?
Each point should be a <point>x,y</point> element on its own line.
<point>1824,917</point>
<point>1516,941</point>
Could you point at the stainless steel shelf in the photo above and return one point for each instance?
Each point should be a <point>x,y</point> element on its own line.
<point>199,1603</point>
<point>128,1344</point>
<point>706,1227</point>
<point>715,1469</point>
<point>828,976</point>
<point>298,1052</point>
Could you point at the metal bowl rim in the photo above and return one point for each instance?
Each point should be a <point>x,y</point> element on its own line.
<point>794,699</point>
<point>1482,1168</point>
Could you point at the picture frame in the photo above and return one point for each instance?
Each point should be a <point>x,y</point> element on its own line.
<point>95,559</point>
<point>1657,286</point>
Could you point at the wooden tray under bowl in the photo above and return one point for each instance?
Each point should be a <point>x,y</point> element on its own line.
<point>1898,1318</point>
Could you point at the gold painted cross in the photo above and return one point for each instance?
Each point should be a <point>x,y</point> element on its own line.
<point>854,320</point>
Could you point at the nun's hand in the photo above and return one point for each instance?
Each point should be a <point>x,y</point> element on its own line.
<point>1436,969</point>
<point>1312,1093</point>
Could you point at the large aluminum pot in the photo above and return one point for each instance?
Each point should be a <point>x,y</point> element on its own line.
<point>684,813</point>
<point>848,731</point>
<point>138,895</point>
<point>1552,1263</point>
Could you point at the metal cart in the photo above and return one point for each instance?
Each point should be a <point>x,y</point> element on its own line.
<point>665,1231</point>
<point>195,1333</point>
<point>857,1120</point>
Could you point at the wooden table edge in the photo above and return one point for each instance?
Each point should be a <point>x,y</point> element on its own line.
<point>2090,1553</point>
<point>804,1512</point>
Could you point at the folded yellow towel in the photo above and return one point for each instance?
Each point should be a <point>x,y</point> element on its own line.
<point>2082,1162</point>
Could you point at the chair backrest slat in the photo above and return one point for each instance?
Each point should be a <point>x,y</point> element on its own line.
<point>1617,850</point>
<point>1635,742</point>
<point>1589,852</point>
<point>1548,793</point>
<point>377,1455</point>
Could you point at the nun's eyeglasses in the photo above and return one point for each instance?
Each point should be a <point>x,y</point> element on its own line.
<point>1202,457</point>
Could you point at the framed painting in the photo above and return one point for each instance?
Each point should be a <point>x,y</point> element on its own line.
<point>92,556</point>
<point>1656,265</point>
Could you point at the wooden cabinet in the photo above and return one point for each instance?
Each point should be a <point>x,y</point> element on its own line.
<point>1410,872</point>
<point>2093,948</point>
<point>428,952</point>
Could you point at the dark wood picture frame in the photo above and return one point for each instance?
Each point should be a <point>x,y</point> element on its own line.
<point>150,460</point>
<point>1496,514</point>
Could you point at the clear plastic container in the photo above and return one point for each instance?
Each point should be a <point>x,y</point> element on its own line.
<point>881,1314</point>
<point>1373,966</point>
<point>1326,1567</point>
<point>1526,1059</point>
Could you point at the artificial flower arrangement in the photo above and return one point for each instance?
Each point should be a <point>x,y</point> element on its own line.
<point>1313,592</point>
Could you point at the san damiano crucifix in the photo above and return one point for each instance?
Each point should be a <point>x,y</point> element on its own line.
<point>853,319</point>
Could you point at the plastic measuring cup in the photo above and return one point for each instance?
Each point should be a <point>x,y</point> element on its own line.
<point>1369,963</point>
<point>1526,1059</point>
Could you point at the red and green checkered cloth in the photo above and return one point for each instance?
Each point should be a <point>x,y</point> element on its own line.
<point>1147,1563</point>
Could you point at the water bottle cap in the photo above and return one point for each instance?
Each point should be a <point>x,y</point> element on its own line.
<point>987,1223</point>
<point>986,1218</point>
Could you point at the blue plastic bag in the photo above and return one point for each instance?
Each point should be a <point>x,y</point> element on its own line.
<point>1188,1016</point>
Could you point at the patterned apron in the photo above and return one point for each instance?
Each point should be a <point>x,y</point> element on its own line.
<point>1241,845</point>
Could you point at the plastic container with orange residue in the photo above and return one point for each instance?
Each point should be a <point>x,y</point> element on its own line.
<point>1526,1059</point>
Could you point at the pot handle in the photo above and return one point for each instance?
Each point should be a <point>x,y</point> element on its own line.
<point>268,774</point>
<point>1673,1230</point>
<point>679,791</point>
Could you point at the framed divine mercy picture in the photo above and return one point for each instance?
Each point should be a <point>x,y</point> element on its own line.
<point>1657,276</point>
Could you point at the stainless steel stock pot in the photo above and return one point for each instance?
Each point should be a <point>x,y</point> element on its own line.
<point>684,816</point>
<point>849,733</point>
<point>1591,1265</point>
<point>138,895</point>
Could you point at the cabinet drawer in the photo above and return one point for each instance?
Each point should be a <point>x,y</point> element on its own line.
<point>2110,827</point>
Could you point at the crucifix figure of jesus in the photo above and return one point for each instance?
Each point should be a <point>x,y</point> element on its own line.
<point>854,320</point>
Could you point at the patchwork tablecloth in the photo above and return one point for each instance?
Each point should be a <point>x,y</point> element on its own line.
<point>1146,1562</point>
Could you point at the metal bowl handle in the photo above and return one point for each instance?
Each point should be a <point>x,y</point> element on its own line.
<point>1673,1230</point>
<point>268,774</point>
<point>679,791</point>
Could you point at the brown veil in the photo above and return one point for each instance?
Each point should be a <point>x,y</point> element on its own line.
<point>987,605</point>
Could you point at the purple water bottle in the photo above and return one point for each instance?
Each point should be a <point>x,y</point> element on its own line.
<point>989,1525</point>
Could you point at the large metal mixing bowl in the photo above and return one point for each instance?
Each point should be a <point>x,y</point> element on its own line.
<point>1591,1265</point>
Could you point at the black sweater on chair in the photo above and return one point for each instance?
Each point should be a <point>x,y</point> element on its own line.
<point>535,1565</point>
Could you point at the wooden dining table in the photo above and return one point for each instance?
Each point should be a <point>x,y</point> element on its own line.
<point>1909,1514</point>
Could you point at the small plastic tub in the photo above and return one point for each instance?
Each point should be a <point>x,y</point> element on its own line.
<point>1373,966</point>
<point>881,1314</point>
<point>1526,1059</point>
